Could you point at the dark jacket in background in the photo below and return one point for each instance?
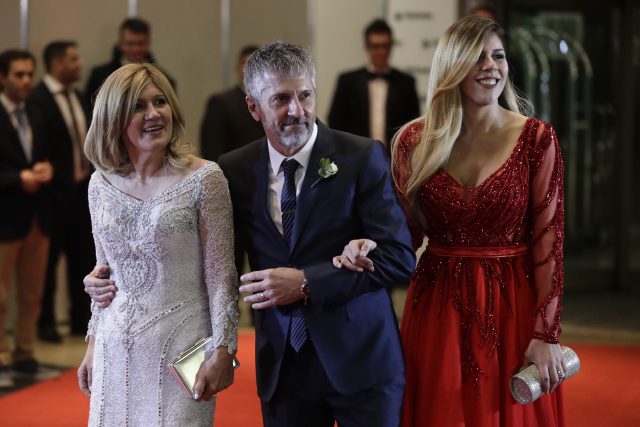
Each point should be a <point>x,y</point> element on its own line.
<point>100,73</point>
<point>350,107</point>
<point>227,124</point>
<point>18,206</point>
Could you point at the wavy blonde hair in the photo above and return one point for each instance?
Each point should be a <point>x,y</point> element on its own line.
<point>114,106</point>
<point>457,52</point>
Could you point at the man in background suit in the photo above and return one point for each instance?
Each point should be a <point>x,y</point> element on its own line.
<point>227,124</point>
<point>327,342</point>
<point>65,127</point>
<point>133,46</point>
<point>25,174</point>
<point>375,100</point>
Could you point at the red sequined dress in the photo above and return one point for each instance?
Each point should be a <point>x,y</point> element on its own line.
<point>490,280</point>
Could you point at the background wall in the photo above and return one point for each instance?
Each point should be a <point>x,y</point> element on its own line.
<point>186,37</point>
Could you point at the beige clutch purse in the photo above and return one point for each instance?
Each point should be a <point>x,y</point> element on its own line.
<point>185,368</point>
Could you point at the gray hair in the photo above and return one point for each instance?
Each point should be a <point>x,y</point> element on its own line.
<point>280,59</point>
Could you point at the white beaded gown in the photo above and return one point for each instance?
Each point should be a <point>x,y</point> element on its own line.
<point>171,257</point>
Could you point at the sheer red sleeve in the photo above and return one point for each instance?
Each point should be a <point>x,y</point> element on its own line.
<point>547,229</point>
<point>401,170</point>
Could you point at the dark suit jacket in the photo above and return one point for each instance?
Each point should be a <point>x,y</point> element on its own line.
<point>349,318</point>
<point>100,73</point>
<point>350,106</point>
<point>56,138</point>
<point>227,124</point>
<point>18,206</point>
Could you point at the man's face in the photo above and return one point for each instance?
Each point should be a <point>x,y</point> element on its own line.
<point>18,82</point>
<point>379,50</point>
<point>287,111</point>
<point>70,66</point>
<point>134,46</point>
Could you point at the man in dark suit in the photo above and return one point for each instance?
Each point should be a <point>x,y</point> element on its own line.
<point>25,174</point>
<point>65,126</point>
<point>327,344</point>
<point>134,46</point>
<point>375,100</point>
<point>227,124</point>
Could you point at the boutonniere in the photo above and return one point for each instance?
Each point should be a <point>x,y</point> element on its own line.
<point>327,169</point>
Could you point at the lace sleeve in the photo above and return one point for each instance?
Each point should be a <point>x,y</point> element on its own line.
<point>219,272</point>
<point>401,170</point>
<point>101,258</point>
<point>547,228</point>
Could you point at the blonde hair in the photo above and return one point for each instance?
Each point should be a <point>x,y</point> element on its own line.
<point>114,106</point>
<point>457,52</point>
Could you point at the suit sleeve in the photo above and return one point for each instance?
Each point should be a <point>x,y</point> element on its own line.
<point>413,102</point>
<point>383,221</point>
<point>338,111</point>
<point>213,133</point>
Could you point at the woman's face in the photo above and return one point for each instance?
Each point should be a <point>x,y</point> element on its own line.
<point>485,82</point>
<point>150,127</point>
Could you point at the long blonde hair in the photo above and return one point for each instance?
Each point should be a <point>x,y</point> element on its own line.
<point>114,106</point>
<point>457,52</point>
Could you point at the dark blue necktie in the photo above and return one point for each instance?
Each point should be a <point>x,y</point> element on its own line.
<point>297,331</point>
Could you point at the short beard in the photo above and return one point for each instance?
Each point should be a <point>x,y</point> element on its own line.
<point>299,137</point>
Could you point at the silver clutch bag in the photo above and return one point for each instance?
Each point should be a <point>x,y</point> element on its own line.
<point>525,385</point>
<point>185,367</point>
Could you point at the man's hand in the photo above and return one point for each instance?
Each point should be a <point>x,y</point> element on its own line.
<point>85,371</point>
<point>100,288</point>
<point>354,256</point>
<point>43,172</point>
<point>215,374</point>
<point>275,286</point>
<point>29,181</point>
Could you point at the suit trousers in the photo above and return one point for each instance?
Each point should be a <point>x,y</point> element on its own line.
<point>71,235</point>
<point>26,260</point>
<point>305,397</point>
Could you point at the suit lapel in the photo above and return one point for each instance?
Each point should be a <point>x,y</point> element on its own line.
<point>324,147</point>
<point>12,133</point>
<point>262,186</point>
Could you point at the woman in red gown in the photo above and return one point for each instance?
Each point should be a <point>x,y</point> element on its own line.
<point>484,184</point>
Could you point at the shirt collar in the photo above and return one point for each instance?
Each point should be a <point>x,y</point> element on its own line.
<point>53,84</point>
<point>302,156</point>
<point>9,105</point>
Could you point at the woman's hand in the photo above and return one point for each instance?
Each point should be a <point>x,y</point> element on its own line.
<point>85,371</point>
<point>548,358</point>
<point>354,256</point>
<point>215,374</point>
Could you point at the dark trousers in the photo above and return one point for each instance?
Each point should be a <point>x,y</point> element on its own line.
<point>71,235</point>
<point>305,397</point>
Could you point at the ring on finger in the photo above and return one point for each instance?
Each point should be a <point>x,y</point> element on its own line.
<point>343,258</point>
<point>262,296</point>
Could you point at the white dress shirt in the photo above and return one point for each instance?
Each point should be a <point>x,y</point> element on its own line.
<point>11,107</point>
<point>378,92</point>
<point>276,180</point>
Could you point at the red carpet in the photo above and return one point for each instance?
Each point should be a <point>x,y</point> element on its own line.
<point>605,393</point>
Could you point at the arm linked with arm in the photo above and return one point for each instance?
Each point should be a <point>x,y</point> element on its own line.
<point>382,221</point>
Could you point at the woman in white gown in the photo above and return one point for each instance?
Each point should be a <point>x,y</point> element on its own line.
<point>162,221</point>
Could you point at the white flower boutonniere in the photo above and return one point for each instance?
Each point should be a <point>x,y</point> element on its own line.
<point>327,169</point>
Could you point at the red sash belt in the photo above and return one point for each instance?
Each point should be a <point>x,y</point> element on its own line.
<point>477,251</point>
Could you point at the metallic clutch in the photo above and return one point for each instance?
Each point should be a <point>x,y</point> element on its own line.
<point>525,385</point>
<point>185,368</point>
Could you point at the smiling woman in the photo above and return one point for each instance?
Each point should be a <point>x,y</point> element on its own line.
<point>162,221</point>
<point>484,183</point>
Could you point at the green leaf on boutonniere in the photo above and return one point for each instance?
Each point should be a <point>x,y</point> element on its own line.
<point>326,170</point>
